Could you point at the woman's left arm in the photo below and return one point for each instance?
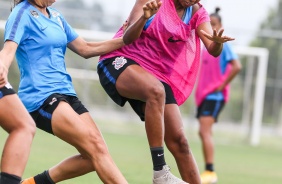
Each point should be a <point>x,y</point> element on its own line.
<point>235,69</point>
<point>212,39</point>
<point>91,49</point>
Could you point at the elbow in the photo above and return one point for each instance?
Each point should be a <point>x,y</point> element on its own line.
<point>215,54</point>
<point>127,40</point>
<point>85,56</point>
<point>237,67</point>
<point>84,52</point>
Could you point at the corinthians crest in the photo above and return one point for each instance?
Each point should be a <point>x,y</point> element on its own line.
<point>119,62</point>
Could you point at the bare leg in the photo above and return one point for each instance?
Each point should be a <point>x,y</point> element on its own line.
<point>205,133</point>
<point>71,167</point>
<point>136,83</point>
<point>86,137</point>
<point>177,143</point>
<point>15,120</point>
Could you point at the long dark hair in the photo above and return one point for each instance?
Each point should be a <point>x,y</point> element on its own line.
<point>216,14</point>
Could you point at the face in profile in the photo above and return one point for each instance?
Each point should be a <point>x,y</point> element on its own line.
<point>215,22</point>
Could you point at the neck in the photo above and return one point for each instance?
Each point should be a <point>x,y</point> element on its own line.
<point>34,3</point>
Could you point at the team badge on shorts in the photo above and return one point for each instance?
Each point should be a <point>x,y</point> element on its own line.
<point>119,62</point>
<point>53,101</point>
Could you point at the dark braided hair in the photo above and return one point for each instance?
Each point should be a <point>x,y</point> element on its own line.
<point>216,14</point>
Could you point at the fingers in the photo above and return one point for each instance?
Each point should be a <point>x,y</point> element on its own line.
<point>217,36</point>
<point>151,8</point>
<point>220,32</point>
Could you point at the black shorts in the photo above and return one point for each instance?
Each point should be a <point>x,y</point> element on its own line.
<point>110,69</point>
<point>6,90</point>
<point>43,115</point>
<point>210,108</point>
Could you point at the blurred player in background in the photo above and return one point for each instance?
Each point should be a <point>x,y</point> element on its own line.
<point>156,73</point>
<point>212,93</point>
<point>39,35</point>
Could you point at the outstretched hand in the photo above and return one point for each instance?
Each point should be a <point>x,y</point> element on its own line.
<point>217,36</point>
<point>151,8</point>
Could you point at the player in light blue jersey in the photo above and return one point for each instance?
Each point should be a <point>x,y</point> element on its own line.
<point>39,35</point>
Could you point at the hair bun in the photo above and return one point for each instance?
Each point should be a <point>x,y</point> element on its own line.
<point>217,9</point>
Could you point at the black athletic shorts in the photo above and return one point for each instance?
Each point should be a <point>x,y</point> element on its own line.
<point>6,90</point>
<point>43,115</point>
<point>110,69</point>
<point>210,108</point>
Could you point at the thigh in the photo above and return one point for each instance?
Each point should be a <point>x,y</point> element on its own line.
<point>13,114</point>
<point>136,83</point>
<point>73,128</point>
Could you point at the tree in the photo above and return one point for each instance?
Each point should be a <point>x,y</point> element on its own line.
<point>269,36</point>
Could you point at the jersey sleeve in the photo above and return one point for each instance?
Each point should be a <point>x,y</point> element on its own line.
<point>70,32</point>
<point>203,16</point>
<point>16,28</point>
<point>228,53</point>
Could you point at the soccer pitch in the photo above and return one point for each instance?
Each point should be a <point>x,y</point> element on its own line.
<point>236,161</point>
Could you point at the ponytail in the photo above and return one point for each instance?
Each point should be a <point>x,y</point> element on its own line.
<point>216,14</point>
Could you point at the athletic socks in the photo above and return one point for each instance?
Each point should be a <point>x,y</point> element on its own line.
<point>6,178</point>
<point>43,178</point>
<point>209,167</point>
<point>158,158</point>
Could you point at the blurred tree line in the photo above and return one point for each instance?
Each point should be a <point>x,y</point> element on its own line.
<point>270,36</point>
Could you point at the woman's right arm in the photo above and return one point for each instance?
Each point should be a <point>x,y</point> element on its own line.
<point>138,18</point>
<point>6,58</point>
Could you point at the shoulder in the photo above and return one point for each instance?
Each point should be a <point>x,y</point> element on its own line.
<point>199,8</point>
<point>21,12</point>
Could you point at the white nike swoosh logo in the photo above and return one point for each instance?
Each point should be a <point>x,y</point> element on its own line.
<point>160,155</point>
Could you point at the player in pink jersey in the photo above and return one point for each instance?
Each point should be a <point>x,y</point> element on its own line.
<point>156,74</point>
<point>212,93</point>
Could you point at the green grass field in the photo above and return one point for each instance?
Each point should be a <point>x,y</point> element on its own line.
<point>236,161</point>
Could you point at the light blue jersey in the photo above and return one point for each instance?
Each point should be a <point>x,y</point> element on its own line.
<point>42,44</point>
<point>186,18</point>
<point>226,56</point>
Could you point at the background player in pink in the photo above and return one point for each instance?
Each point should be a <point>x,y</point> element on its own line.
<point>212,93</point>
<point>156,74</point>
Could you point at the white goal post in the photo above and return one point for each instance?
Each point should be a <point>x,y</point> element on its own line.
<point>260,85</point>
<point>261,55</point>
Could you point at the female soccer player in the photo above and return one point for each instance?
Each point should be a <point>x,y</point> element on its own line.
<point>156,74</point>
<point>38,35</point>
<point>212,93</point>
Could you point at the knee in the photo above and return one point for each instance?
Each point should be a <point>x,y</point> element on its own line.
<point>156,94</point>
<point>96,145</point>
<point>203,133</point>
<point>178,144</point>
<point>27,127</point>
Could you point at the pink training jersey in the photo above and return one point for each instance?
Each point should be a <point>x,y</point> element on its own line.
<point>169,49</point>
<point>211,77</point>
